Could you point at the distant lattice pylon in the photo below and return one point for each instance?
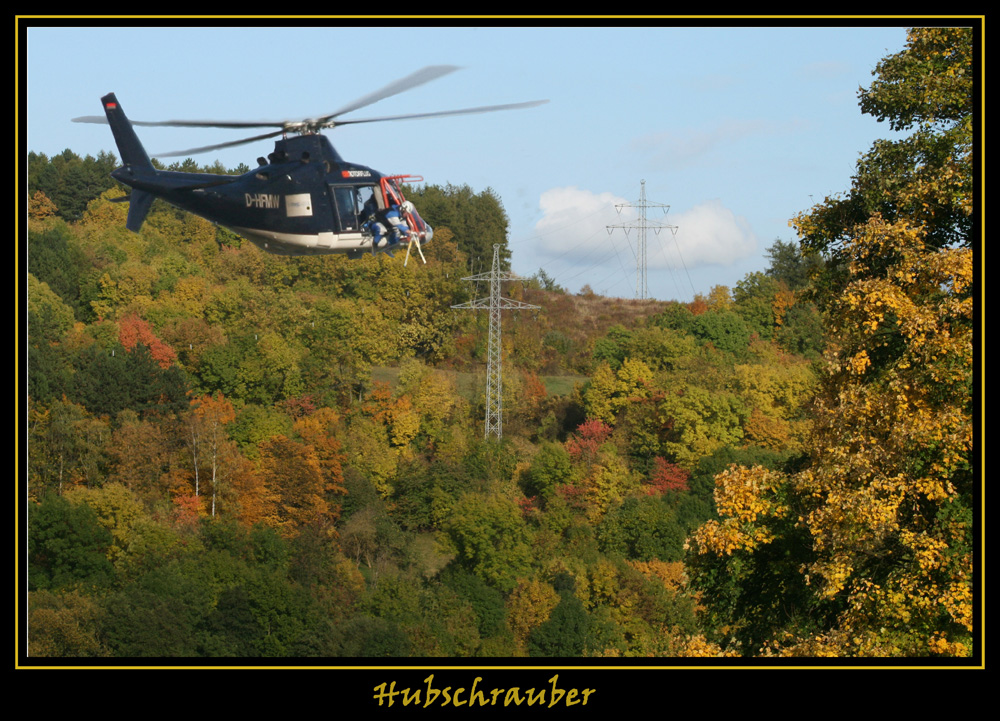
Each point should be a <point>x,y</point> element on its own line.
<point>642,224</point>
<point>494,365</point>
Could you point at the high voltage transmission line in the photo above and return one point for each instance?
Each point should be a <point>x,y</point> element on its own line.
<point>641,287</point>
<point>494,366</point>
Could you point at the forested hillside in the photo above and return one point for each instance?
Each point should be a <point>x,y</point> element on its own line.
<point>236,454</point>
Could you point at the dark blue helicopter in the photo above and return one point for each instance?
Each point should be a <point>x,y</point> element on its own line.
<point>303,199</point>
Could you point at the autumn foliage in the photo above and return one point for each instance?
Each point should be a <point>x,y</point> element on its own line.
<point>667,477</point>
<point>885,501</point>
<point>132,330</point>
<point>584,444</point>
<point>287,460</point>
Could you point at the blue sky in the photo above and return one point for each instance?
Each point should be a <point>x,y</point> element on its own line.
<point>737,129</point>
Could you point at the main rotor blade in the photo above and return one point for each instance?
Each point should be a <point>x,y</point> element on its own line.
<point>420,77</point>
<point>440,113</point>
<point>99,119</point>
<point>217,146</point>
<point>103,120</point>
<point>424,75</point>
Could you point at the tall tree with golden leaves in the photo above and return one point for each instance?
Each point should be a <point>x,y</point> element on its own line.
<point>880,520</point>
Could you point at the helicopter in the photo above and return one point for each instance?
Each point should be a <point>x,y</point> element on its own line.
<point>303,198</point>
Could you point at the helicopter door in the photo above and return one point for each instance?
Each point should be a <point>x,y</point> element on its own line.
<point>353,206</point>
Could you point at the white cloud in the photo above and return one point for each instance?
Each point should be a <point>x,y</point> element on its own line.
<point>708,233</point>
<point>573,218</point>
<point>574,229</point>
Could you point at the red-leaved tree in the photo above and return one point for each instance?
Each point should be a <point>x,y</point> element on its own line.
<point>133,330</point>
<point>667,477</point>
<point>588,438</point>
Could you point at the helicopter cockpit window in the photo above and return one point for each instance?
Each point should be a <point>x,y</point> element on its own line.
<point>392,193</point>
<point>354,205</point>
<point>365,202</point>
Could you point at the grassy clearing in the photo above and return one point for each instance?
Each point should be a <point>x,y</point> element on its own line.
<point>561,385</point>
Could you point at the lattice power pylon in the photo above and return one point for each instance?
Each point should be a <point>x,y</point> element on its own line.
<point>641,287</point>
<point>494,366</point>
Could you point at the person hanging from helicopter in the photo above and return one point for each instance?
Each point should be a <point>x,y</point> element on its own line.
<point>386,222</point>
<point>398,227</point>
<point>372,224</point>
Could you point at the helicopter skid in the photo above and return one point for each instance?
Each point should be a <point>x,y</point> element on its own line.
<point>317,244</point>
<point>303,244</point>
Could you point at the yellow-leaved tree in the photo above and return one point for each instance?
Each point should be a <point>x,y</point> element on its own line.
<point>867,548</point>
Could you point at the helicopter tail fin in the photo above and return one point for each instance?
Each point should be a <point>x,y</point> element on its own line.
<point>134,156</point>
<point>136,163</point>
<point>138,207</point>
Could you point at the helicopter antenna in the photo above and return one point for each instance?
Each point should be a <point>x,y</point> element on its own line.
<point>494,365</point>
